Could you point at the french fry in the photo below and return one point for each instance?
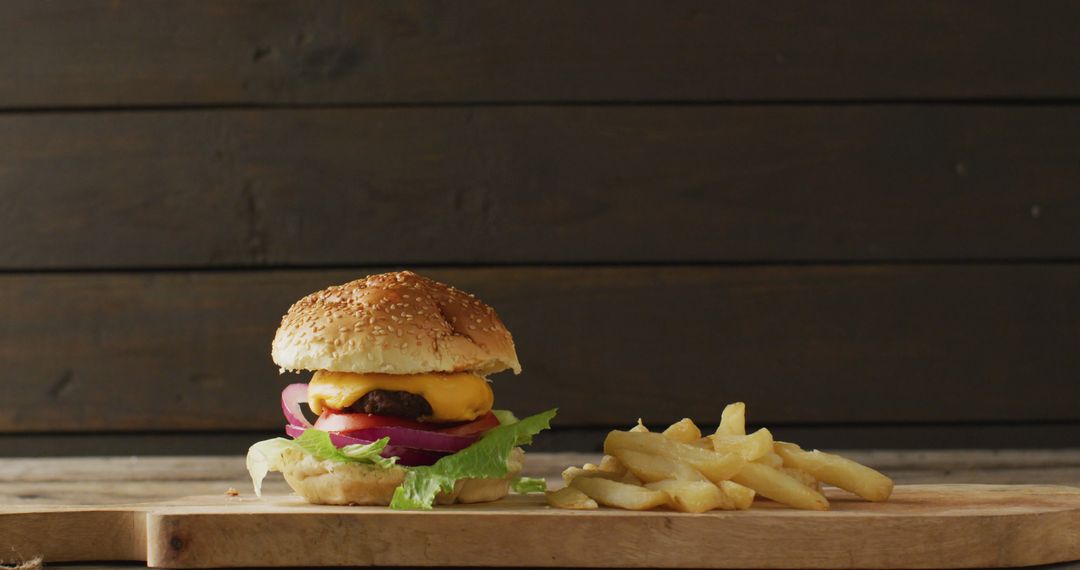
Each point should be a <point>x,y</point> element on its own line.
<point>612,465</point>
<point>653,468</point>
<point>752,447</point>
<point>780,487</point>
<point>692,496</point>
<point>732,420</point>
<point>838,471</point>
<point>571,473</point>
<point>741,496</point>
<point>621,495</point>
<point>703,443</point>
<point>683,431</point>
<point>570,498</point>
<point>803,477</point>
<point>714,466</point>
<point>691,472</point>
<point>771,459</point>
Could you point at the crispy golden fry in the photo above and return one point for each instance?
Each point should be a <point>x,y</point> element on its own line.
<point>648,467</point>
<point>839,471</point>
<point>780,487</point>
<point>693,496</point>
<point>571,473</point>
<point>612,465</point>
<point>742,497</point>
<point>771,459</point>
<point>803,477</point>
<point>683,431</point>
<point>724,470</point>
<point>621,495</point>
<point>702,442</point>
<point>752,447</point>
<point>732,420</point>
<point>570,498</point>
<point>714,466</point>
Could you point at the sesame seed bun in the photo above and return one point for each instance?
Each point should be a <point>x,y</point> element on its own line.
<point>393,323</point>
<point>329,483</point>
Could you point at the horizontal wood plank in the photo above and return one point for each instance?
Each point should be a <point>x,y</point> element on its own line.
<point>80,52</point>
<point>812,344</point>
<point>203,468</point>
<point>103,481</point>
<point>537,185</point>
<point>938,436</point>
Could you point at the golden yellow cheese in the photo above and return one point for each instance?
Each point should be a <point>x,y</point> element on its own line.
<point>454,397</point>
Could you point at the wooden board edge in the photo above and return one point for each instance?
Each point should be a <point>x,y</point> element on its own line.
<point>192,532</point>
<point>79,534</point>
<point>194,538</point>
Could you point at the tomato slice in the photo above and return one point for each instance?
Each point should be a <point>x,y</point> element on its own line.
<point>333,421</point>
<point>475,427</point>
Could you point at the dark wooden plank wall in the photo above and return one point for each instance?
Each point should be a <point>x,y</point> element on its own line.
<point>601,184</point>
<point>862,218</point>
<point>102,53</point>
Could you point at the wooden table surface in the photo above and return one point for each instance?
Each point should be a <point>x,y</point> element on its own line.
<point>117,480</point>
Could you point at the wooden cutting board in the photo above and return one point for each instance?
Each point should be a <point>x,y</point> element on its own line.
<point>923,526</point>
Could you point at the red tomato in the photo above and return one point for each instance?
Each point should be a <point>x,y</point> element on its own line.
<point>333,421</point>
<point>475,427</point>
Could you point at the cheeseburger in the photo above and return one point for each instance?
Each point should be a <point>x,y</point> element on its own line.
<point>400,388</point>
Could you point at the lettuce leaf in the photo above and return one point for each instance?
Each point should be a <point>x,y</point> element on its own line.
<point>265,456</point>
<point>504,416</point>
<point>484,459</point>
<point>487,458</point>
<point>318,445</point>
<point>528,485</point>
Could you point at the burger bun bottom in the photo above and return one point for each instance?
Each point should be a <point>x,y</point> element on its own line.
<point>333,483</point>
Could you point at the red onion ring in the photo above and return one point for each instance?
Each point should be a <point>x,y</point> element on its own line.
<point>291,397</point>
<point>416,439</point>
<point>406,456</point>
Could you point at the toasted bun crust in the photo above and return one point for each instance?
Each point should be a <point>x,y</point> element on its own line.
<point>328,483</point>
<point>393,323</point>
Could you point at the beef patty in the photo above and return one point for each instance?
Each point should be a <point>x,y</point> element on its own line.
<point>392,403</point>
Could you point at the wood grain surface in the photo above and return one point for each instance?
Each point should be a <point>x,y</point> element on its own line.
<point>832,435</point>
<point>622,184</point>
<point>852,214</point>
<point>125,480</point>
<point>952,526</point>
<point>189,351</point>
<point>280,52</point>
<point>36,482</point>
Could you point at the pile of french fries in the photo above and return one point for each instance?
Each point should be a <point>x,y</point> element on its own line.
<point>682,470</point>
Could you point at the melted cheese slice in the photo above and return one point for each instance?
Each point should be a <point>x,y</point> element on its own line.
<point>453,397</point>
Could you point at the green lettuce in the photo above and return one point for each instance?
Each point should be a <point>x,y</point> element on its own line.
<point>265,456</point>
<point>487,458</point>
<point>504,416</point>
<point>528,485</point>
